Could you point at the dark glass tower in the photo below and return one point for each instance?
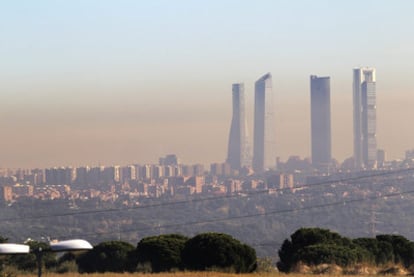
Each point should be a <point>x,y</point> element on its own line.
<point>264,143</point>
<point>238,154</point>
<point>320,122</point>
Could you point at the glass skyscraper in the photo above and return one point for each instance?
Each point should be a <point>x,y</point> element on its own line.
<point>264,143</point>
<point>320,122</point>
<point>238,155</point>
<point>364,98</point>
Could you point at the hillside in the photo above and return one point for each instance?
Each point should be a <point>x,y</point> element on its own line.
<point>263,220</point>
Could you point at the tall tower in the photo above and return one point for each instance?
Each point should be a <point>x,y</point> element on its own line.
<point>238,154</point>
<point>364,95</point>
<point>264,144</point>
<point>320,122</point>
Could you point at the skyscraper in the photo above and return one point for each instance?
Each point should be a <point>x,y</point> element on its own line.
<point>364,96</point>
<point>320,122</point>
<point>238,154</point>
<point>264,144</point>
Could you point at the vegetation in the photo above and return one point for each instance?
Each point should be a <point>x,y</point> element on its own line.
<point>179,274</point>
<point>111,256</point>
<point>170,252</point>
<point>315,246</point>
<point>173,252</point>
<point>161,253</point>
<point>308,250</point>
<point>218,251</point>
<point>151,216</point>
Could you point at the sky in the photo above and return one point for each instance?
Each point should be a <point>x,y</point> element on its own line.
<point>102,82</point>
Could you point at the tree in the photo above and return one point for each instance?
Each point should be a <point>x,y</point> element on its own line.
<point>330,254</point>
<point>111,256</point>
<point>380,252</point>
<point>162,252</point>
<point>218,251</point>
<point>28,262</point>
<point>315,246</point>
<point>402,248</point>
<point>2,259</point>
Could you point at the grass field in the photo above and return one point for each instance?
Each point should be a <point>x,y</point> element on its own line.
<point>179,274</point>
<point>323,270</point>
<point>194,274</point>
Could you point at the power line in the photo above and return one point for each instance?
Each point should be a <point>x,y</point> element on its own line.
<point>194,200</point>
<point>269,213</point>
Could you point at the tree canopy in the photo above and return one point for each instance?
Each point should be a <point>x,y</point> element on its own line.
<point>28,262</point>
<point>162,252</point>
<point>221,252</point>
<point>218,251</point>
<point>110,256</point>
<point>314,246</point>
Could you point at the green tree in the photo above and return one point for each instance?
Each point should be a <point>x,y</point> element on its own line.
<point>380,252</point>
<point>218,251</point>
<point>402,248</point>
<point>2,258</point>
<point>111,256</point>
<point>28,262</point>
<point>315,246</point>
<point>67,262</point>
<point>331,254</point>
<point>162,252</point>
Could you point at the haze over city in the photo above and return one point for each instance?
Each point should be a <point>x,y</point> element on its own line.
<point>105,82</point>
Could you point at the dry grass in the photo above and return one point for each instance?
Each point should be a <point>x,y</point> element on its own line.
<point>196,274</point>
<point>178,274</point>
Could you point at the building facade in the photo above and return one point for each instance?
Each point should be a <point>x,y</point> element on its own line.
<point>264,156</point>
<point>238,154</point>
<point>364,100</point>
<point>320,122</point>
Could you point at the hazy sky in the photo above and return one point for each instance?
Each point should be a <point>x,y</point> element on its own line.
<point>118,82</point>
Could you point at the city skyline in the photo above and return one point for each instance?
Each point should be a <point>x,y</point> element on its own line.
<point>366,82</point>
<point>100,82</point>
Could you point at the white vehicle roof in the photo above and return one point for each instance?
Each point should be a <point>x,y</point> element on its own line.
<point>13,248</point>
<point>68,245</point>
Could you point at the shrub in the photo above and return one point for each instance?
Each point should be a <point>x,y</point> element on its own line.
<point>218,251</point>
<point>162,252</point>
<point>111,256</point>
<point>316,246</point>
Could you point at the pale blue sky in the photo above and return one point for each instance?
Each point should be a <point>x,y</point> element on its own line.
<point>88,82</point>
